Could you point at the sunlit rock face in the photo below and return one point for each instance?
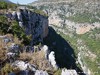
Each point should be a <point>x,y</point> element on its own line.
<point>52,60</point>
<point>40,72</point>
<point>33,23</point>
<point>68,72</point>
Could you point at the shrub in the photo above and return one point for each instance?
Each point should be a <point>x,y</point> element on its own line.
<point>83,18</point>
<point>58,72</point>
<point>3,19</point>
<point>3,24</point>
<point>3,5</point>
<point>20,33</point>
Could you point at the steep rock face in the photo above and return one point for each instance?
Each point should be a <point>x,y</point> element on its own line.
<point>34,24</point>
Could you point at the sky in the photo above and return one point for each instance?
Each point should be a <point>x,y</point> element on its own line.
<point>22,1</point>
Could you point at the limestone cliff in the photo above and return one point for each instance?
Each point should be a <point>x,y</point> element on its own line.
<point>33,23</point>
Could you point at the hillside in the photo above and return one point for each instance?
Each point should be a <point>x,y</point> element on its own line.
<point>8,1</point>
<point>78,22</point>
<point>6,4</point>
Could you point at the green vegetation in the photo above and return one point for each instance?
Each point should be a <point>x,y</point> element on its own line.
<point>31,7</point>
<point>3,19</point>
<point>19,32</point>
<point>91,41</point>
<point>15,29</point>
<point>40,12</point>
<point>92,65</point>
<point>35,9</point>
<point>3,24</point>
<point>58,72</point>
<point>5,5</point>
<point>94,45</point>
<point>83,18</point>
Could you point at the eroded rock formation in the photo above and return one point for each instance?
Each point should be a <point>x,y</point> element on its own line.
<point>34,24</point>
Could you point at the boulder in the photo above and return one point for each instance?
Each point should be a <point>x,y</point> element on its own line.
<point>14,15</point>
<point>52,59</point>
<point>7,40</point>
<point>45,49</point>
<point>19,16</point>
<point>14,48</point>
<point>40,72</point>
<point>21,65</point>
<point>32,67</point>
<point>10,55</point>
<point>68,72</point>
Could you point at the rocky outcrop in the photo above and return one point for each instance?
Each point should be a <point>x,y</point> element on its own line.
<point>34,24</point>
<point>68,72</point>
<point>40,72</point>
<point>52,60</point>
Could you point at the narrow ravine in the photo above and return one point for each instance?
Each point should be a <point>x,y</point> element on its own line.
<point>65,55</point>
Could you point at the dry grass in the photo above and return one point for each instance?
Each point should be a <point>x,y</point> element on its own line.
<point>1,44</point>
<point>2,54</point>
<point>8,68</point>
<point>3,49</point>
<point>38,59</point>
<point>17,41</point>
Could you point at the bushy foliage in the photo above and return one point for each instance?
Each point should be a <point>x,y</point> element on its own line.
<point>83,18</point>
<point>36,10</point>
<point>3,24</point>
<point>17,30</point>
<point>14,28</point>
<point>11,5</point>
<point>92,42</point>
<point>3,19</point>
<point>5,5</point>
<point>40,12</point>
<point>20,32</point>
